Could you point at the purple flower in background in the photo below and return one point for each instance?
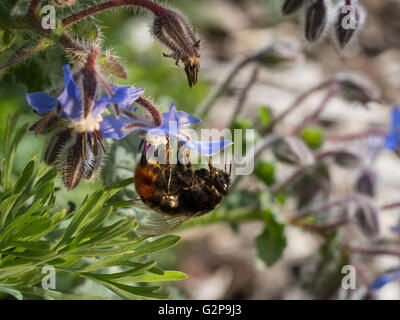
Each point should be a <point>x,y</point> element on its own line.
<point>76,147</point>
<point>393,137</point>
<point>174,124</point>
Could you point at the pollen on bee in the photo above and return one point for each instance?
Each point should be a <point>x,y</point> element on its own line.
<point>145,178</point>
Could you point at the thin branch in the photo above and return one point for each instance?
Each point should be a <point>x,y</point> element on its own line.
<point>372,250</point>
<point>245,92</point>
<point>296,103</point>
<point>313,115</point>
<point>210,100</point>
<point>148,4</point>
<point>357,135</point>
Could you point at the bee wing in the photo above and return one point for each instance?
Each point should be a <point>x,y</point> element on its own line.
<point>139,204</point>
<point>155,224</point>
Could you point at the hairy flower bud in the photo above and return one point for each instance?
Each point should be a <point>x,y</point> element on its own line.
<point>350,17</point>
<point>347,158</point>
<point>174,31</point>
<point>317,18</point>
<point>366,182</point>
<point>355,87</point>
<point>367,218</point>
<point>291,6</point>
<point>292,150</point>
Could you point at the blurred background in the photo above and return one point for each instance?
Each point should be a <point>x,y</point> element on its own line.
<point>220,259</point>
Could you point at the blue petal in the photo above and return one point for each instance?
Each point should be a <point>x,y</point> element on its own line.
<point>112,127</point>
<point>395,119</point>
<point>392,141</point>
<point>184,119</point>
<point>207,148</point>
<point>385,279</point>
<point>395,229</point>
<point>70,99</point>
<point>41,102</point>
<point>122,95</point>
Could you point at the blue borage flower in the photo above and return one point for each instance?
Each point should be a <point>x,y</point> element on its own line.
<point>69,105</point>
<point>385,279</point>
<point>76,147</point>
<point>173,125</point>
<point>393,137</point>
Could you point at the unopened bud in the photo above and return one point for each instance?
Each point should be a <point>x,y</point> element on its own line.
<point>292,150</point>
<point>367,218</point>
<point>350,17</point>
<point>174,31</point>
<point>317,18</point>
<point>357,88</point>
<point>291,6</point>
<point>113,66</point>
<point>366,182</point>
<point>347,158</point>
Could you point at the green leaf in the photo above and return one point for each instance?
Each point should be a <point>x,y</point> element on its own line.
<point>157,245</point>
<point>272,241</point>
<point>117,229</point>
<point>56,295</point>
<point>151,277</point>
<point>25,176</point>
<point>119,260</point>
<point>265,171</point>
<point>313,137</point>
<point>15,293</point>
<point>125,291</point>
<point>265,115</point>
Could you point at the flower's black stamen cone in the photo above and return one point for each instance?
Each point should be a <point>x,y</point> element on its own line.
<point>83,143</point>
<point>72,167</point>
<point>95,145</point>
<point>89,81</point>
<point>99,138</point>
<point>55,145</point>
<point>92,163</point>
<point>90,88</point>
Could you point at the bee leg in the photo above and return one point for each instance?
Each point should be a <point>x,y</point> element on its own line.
<point>211,168</point>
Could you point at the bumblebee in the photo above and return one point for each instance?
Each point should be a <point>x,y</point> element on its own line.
<point>177,190</point>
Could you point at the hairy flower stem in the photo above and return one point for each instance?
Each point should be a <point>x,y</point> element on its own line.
<point>210,100</point>
<point>245,92</point>
<point>357,135</point>
<point>296,103</point>
<point>313,115</point>
<point>372,250</point>
<point>147,4</point>
<point>340,200</point>
<point>152,109</point>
